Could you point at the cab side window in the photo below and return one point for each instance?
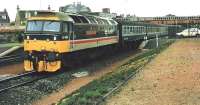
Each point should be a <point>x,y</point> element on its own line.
<point>70,28</point>
<point>65,28</point>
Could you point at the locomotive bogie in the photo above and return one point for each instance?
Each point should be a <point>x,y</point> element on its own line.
<point>42,66</point>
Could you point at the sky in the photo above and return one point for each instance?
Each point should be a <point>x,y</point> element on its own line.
<point>141,8</point>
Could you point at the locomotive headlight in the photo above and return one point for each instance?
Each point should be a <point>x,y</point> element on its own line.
<point>54,38</point>
<point>28,37</point>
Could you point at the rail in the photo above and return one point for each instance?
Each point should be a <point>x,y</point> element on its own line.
<point>23,79</point>
<point>16,76</point>
<point>18,80</point>
<point>132,75</point>
<point>11,59</point>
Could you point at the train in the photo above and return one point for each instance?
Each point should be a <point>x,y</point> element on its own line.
<point>50,37</point>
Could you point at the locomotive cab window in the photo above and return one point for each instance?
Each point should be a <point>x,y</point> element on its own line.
<point>34,26</point>
<point>51,26</point>
<point>43,26</point>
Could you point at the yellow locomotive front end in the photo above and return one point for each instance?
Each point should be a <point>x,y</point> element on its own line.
<point>46,39</point>
<point>44,55</point>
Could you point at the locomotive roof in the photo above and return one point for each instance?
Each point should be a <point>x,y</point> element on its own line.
<point>61,16</point>
<point>51,16</point>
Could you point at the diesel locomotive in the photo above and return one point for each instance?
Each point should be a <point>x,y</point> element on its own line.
<point>50,36</point>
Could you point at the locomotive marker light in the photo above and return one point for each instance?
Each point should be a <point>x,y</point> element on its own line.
<point>54,38</point>
<point>28,37</point>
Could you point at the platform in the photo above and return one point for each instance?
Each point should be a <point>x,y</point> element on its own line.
<point>6,49</point>
<point>172,78</point>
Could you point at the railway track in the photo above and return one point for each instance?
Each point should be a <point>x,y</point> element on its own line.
<point>19,80</point>
<point>23,79</point>
<point>131,76</point>
<point>10,59</point>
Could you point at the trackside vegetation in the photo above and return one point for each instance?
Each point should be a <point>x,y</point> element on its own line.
<point>95,92</point>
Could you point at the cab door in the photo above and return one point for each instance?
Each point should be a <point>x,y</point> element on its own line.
<point>68,33</point>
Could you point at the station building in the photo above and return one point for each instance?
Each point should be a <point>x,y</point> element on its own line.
<point>4,18</point>
<point>173,20</point>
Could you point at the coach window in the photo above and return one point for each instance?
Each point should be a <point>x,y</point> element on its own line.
<point>139,29</point>
<point>124,29</point>
<point>128,29</point>
<point>131,29</point>
<point>142,30</point>
<point>136,29</point>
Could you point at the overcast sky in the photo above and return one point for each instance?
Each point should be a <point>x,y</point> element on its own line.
<point>144,8</point>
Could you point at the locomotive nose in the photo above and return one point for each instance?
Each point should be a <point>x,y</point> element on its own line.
<point>42,61</point>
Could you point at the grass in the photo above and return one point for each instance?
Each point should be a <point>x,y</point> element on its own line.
<point>94,92</point>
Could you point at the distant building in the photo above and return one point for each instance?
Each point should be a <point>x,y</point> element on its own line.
<point>105,13</point>
<point>82,9</point>
<point>106,10</point>
<point>4,18</point>
<point>173,20</point>
<point>23,15</point>
<point>75,8</point>
<point>129,18</point>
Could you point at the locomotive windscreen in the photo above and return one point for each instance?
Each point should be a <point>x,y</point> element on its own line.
<point>43,26</point>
